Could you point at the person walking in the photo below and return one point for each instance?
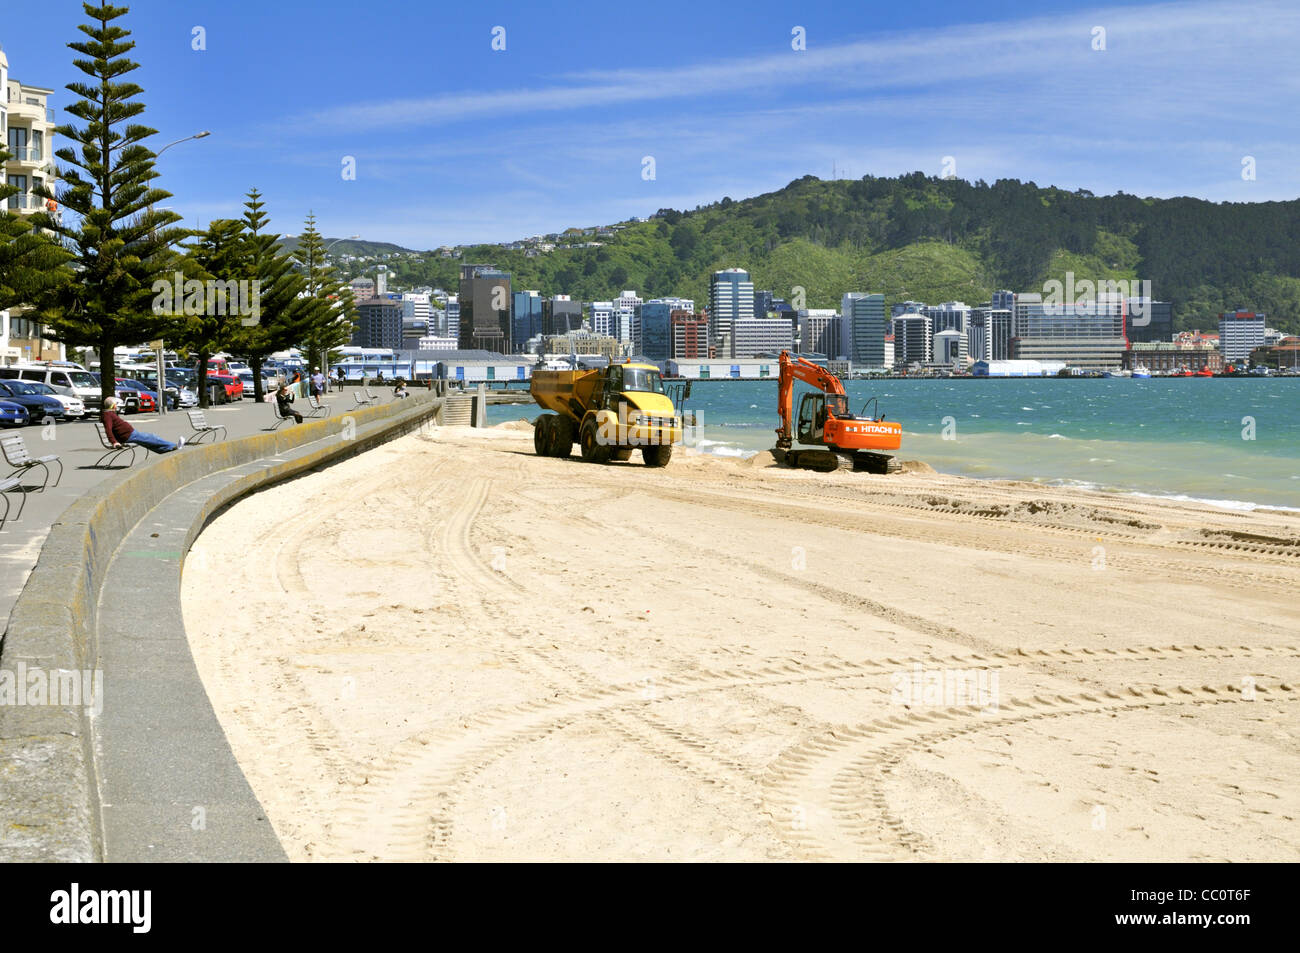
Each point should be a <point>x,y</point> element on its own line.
<point>120,432</point>
<point>284,398</point>
<point>317,383</point>
<point>342,376</point>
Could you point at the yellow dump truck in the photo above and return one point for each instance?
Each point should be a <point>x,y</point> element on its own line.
<point>609,412</point>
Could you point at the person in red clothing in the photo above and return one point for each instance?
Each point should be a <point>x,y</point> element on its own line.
<point>119,431</point>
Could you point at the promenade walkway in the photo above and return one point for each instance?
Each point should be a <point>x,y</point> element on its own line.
<point>78,446</point>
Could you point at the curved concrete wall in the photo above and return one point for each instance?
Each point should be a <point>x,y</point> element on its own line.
<point>48,801</point>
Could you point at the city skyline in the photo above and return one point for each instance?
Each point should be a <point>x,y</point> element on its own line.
<point>454,142</point>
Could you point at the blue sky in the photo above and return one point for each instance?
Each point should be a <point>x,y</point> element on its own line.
<point>455,142</point>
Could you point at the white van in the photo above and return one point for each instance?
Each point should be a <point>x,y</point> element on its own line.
<point>70,380</point>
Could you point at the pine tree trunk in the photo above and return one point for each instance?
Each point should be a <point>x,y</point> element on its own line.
<point>205,388</point>
<point>255,362</point>
<point>107,369</point>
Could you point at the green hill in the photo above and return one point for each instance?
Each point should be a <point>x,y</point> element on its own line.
<point>932,240</point>
<point>352,246</point>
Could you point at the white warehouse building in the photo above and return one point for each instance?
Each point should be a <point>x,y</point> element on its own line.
<point>723,369</point>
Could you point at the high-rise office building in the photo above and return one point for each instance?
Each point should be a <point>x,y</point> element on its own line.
<point>988,336</point>
<point>379,324</point>
<point>753,336</point>
<point>820,332</point>
<point>626,309</point>
<point>865,326</point>
<point>451,328</point>
<point>949,316</point>
<point>484,309</point>
<point>690,335</point>
<point>1147,321</point>
<point>655,331</point>
<point>417,317</point>
<point>525,318</point>
<point>1003,301</point>
<point>950,348</point>
<point>913,339</point>
<point>1240,332</point>
<point>731,298</point>
<point>1086,334</point>
<point>561,315</point>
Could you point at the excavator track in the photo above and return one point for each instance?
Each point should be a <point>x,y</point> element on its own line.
<point>828,461</point>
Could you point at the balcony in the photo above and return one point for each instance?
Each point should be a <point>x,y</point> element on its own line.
<point>29,108</point>
<point>28,155</point>
<point>26,203</point>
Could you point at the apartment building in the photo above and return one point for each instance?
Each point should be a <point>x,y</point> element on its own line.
<point>27,131</point>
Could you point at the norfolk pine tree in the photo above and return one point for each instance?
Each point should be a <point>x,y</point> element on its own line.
<point>332,327</point>
<point>221,253</point>
<point>119,244</point>
<point>287,312</point>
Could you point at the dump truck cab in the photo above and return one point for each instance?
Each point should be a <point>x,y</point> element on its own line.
<point>609,412</point>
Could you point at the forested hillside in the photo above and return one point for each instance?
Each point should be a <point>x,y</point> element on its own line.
<point>932,240</point>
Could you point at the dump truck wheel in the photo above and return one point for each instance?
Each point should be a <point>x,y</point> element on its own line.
<point>621,455</point>
<point>542,435</point>
<point>657,456</point>
<point>592,451</point>
<point>562,437</point>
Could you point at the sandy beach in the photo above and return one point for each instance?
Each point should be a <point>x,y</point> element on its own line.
<point>452,649</point>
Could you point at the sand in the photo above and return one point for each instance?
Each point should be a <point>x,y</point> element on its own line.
<point>452,649</point>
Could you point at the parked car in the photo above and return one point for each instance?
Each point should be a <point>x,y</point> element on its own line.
<point>129,396</point>
<point>246,379</point>
<point>147,400</point>
<point>73,408</point>
<point>148,396</point>
<point>149,378</point>
<point>234,387</point>
<point>63,378</point>
<point>39,407</point>
<point>12,415</point>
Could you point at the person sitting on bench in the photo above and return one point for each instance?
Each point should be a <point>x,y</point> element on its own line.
<point>284,399</point>
<point>120,432</point>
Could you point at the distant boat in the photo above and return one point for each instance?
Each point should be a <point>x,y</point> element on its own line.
<point>1120,373</point>
<point>1205,372</point>
<point>1141,372</point>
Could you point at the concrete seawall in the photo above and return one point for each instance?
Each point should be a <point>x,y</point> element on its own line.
<point>50,770</point>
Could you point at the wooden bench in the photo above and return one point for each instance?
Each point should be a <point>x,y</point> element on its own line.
<point>12,483</point>
<point>199,421</point>
<point>111,450</point>
<point>16,455</point>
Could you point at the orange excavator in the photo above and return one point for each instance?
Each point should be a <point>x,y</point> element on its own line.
<point>840,438</point>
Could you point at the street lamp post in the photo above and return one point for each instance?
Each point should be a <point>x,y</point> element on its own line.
<point>324,355</point>
<point>198,135</point>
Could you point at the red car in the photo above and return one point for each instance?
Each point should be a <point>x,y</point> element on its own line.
<point>234,387</point>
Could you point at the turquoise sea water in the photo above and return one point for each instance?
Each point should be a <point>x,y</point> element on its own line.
<point>1182,437</point>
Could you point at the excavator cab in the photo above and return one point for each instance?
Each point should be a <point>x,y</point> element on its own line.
<point>812,418</point>
<point>814,408</point>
